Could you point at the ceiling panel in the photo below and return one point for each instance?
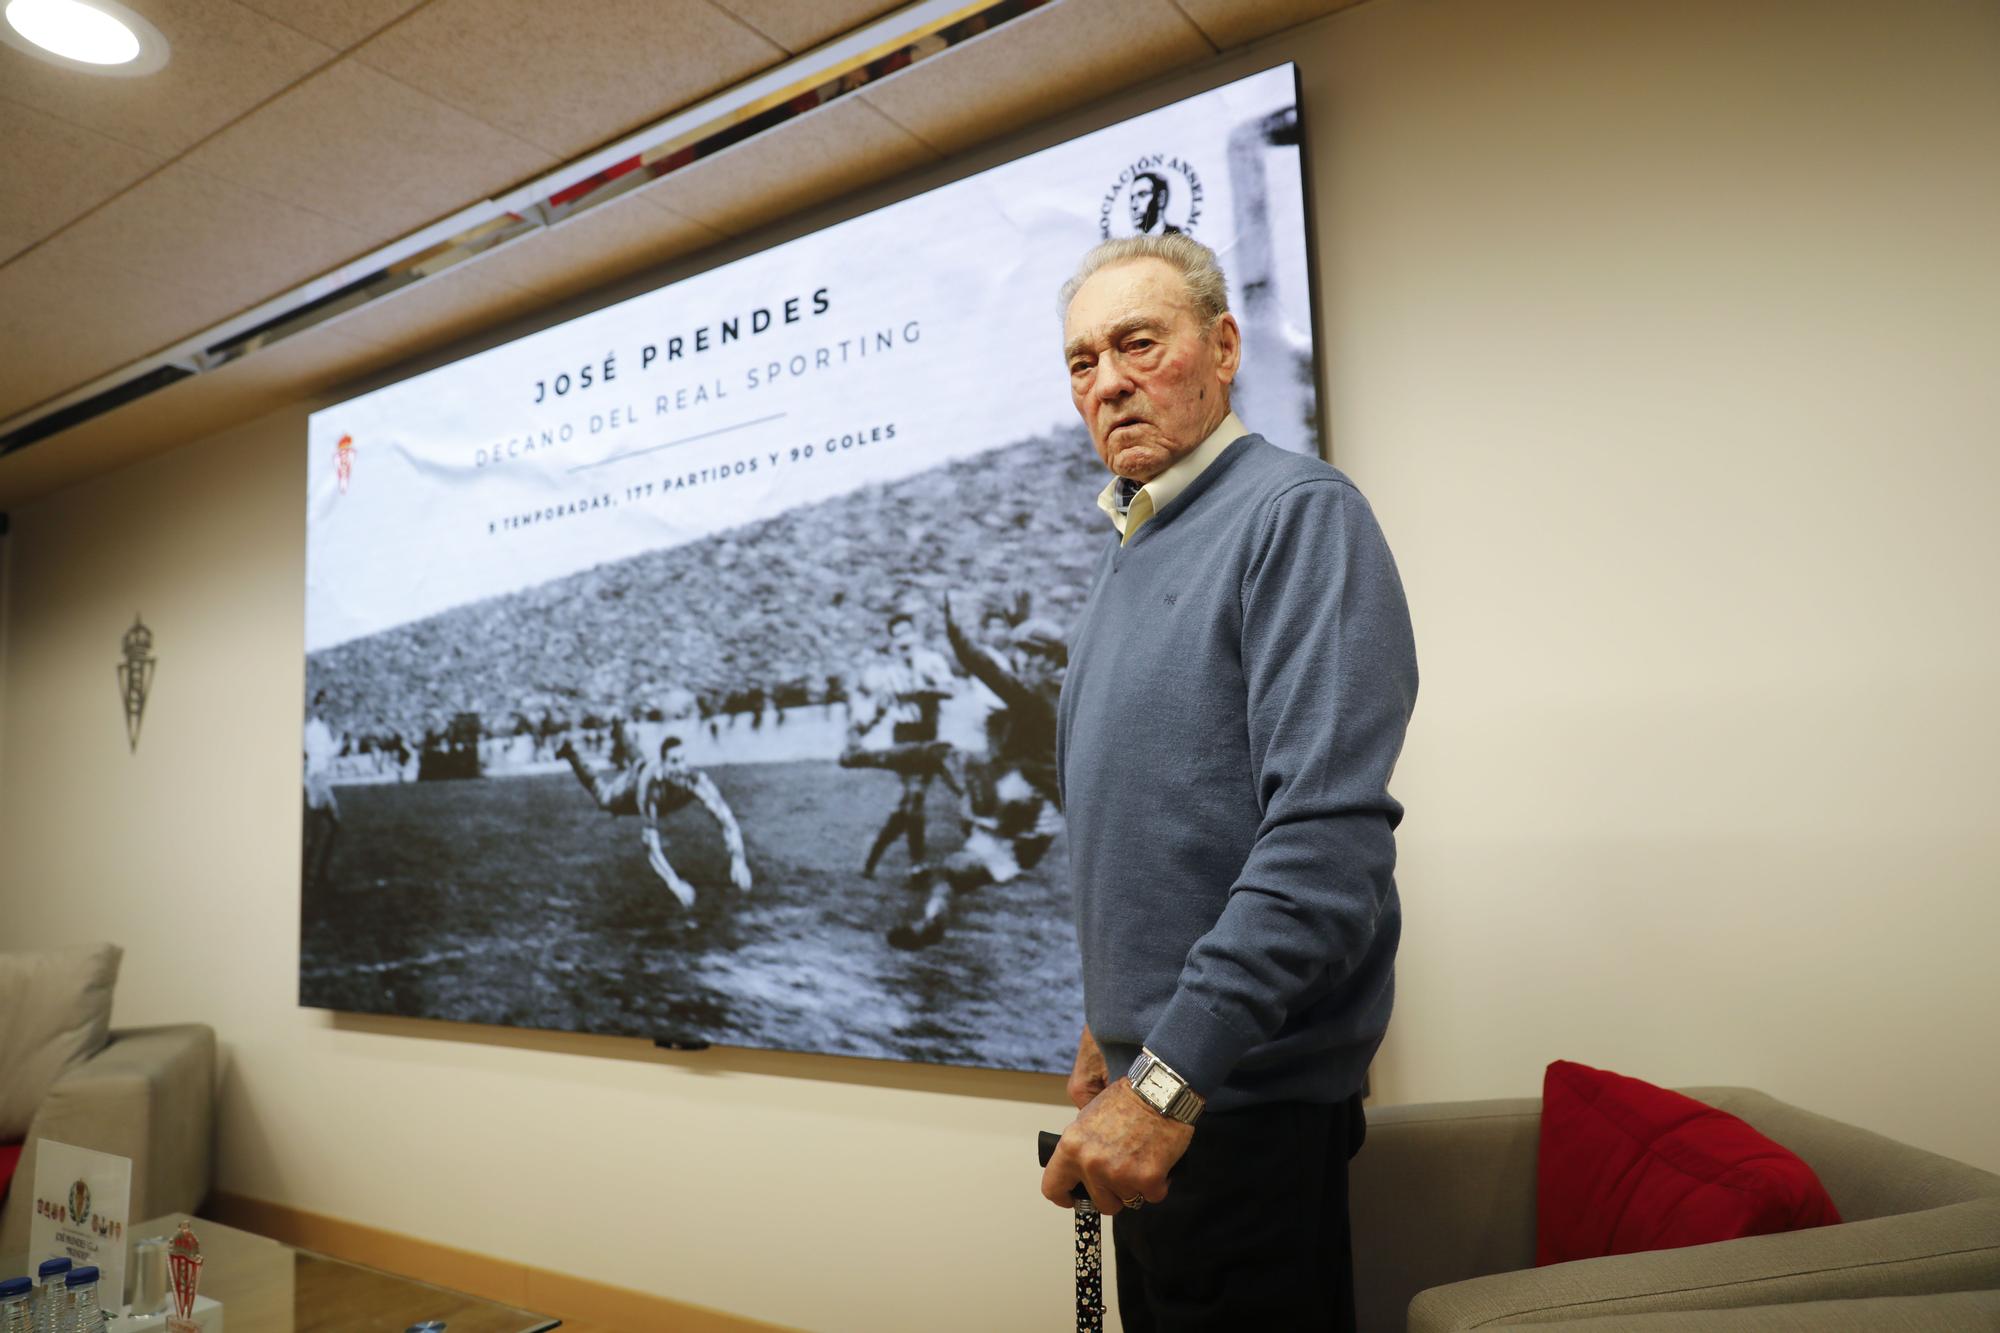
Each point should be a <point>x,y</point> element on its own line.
<point>224,60</point>
<point>455,304</point>
<point>298,159</point>
<point>297,368</point>
<point>301,366</point>
<point>228,248</point>
<point>820,156</point>
<point>56,171</point>
<point>1051,61</point>
<point>614,240</point>
<point>357,146</point>
<point>569,78</point>
<point>1230,23</point>
<point>50,351</point>
<point>339,23</point>
<point>800,27</point>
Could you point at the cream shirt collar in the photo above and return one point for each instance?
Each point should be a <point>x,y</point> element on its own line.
<point>1158,493</point>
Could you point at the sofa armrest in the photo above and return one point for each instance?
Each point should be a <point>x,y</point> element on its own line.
<point>1440,1193</point>
<point>1956,1247</point>
<point>148,1095</point>
<point>1865,1314</point>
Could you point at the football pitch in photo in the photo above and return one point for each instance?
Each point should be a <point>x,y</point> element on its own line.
<point>517,901</point>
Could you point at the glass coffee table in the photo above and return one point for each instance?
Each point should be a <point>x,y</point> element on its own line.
<point>266,1286</point>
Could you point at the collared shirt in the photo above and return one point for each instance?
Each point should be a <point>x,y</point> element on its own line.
<point>1158,493</point>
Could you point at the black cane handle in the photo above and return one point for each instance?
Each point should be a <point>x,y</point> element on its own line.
<point>1045,1148</point>
<point>1089,1248</point>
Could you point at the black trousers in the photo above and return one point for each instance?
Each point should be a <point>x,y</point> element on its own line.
<point>1253,1233</point>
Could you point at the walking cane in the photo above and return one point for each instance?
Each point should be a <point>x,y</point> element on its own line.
<point>1089,1249</point>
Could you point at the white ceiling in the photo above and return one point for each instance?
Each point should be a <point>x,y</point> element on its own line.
<point>285,138</point>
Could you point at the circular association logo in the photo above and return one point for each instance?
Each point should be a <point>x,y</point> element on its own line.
<point>79,1203</point>
<point>1157,195</point>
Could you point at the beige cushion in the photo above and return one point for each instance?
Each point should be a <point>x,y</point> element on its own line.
<point>1868,1314</point>
<point>55,1011</point>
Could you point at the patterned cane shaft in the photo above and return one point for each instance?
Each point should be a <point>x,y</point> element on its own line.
<point>1089,1270</point>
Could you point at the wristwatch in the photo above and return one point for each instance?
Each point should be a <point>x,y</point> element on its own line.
<point>1162,1089</point>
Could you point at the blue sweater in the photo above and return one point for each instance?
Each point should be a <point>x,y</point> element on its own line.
<point>1239,684</point>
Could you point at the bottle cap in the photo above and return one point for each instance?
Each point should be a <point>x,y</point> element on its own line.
<point>82,1277</point>
<point>52,1269</point>
<point>15,1286</point>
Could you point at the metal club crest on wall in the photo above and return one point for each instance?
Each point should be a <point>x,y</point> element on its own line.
<point>135,677</point>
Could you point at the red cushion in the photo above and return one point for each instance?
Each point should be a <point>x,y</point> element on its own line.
<point>10,1157</point>
<point>1626,1166</point>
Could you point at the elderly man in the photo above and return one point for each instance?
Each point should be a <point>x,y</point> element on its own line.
<point>1239,684</point>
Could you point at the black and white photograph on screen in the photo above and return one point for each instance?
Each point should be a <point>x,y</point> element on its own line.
<point>688,670</point>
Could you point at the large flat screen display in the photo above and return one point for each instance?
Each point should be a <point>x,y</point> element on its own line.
<point>687,669</point>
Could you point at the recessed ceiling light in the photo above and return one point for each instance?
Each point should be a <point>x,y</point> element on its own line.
<point>102,37</point>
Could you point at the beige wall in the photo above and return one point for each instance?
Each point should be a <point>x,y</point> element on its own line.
<point>1667,340</point>
<point>1663,338</point>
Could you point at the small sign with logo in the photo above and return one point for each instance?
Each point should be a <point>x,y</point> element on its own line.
<point>82,1203</point>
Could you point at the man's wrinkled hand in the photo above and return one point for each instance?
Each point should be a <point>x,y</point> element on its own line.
<point>1118,1148</point>
<point>1088,1076</point>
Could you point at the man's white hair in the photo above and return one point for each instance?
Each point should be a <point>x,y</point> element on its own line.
<point>1208,290</point>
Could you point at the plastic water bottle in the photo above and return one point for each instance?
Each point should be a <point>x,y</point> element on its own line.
<point>49,1294</point>
<point>56,1307</point>
<point>81,1305</point>
<point>17,1311</point>
<point>60,1303</point>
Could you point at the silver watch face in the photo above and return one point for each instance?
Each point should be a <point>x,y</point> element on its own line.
<point>1157,1087</point>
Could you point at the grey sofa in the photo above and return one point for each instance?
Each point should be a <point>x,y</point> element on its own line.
<point>1443,1201</point>
<point>148,1095</point>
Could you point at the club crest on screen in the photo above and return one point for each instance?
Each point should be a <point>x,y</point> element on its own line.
<point>1156,195</point>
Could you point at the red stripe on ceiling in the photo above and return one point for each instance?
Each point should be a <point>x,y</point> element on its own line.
<point>583,187</point>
